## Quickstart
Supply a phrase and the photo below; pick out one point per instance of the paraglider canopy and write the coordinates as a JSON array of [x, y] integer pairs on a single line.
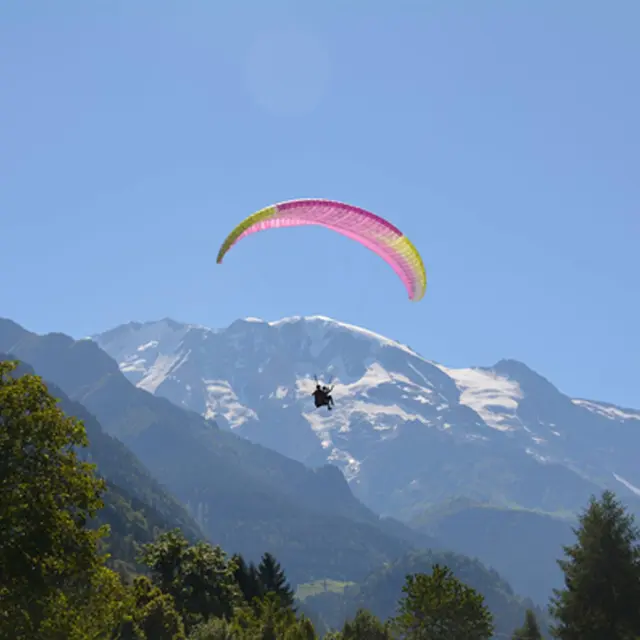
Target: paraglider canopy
[[364, 227]]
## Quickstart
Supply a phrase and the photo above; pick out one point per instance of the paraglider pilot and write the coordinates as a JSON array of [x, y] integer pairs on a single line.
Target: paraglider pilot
[[322, 397]]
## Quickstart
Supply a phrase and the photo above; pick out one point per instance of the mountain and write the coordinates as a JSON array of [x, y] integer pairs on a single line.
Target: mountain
[[407, 432], [522, 546], [136, 507], [380, 592], [245, 497]]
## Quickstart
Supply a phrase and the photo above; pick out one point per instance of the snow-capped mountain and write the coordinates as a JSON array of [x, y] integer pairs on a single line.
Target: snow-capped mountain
[[406, 431]]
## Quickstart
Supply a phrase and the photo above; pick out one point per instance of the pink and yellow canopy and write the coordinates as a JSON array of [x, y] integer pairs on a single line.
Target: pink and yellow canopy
[[362, 226]]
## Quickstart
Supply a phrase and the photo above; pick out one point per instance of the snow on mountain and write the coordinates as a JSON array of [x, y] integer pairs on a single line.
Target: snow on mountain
[[155, 351], [405, 431], [608, 410], [492, 396]]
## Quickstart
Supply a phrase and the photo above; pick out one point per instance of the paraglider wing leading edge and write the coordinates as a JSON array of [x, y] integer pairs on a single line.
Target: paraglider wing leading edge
[[364, 227]]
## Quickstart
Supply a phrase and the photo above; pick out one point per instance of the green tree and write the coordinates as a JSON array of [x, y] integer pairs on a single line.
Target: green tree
[[91, 614], [273, 580], [248, 579], [530, 630], [215, 629], [166, 558], [153, 615], [365, 626], [269, 620], [53, 582], [198, 577], [602, 576], [440, 607]]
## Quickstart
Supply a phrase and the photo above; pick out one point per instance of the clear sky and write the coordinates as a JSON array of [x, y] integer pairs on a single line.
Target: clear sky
[[502, 136]]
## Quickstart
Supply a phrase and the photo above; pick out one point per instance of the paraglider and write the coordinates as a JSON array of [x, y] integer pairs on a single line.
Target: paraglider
[[364, 227]]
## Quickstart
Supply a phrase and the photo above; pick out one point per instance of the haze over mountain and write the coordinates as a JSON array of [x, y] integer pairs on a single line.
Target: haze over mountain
[[245, 497], [406, 432]]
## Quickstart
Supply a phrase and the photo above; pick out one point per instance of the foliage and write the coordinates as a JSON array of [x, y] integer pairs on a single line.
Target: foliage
[[273, 580], [153, 615], [215, 629], [269, 620], [529, 630], [365, 626], [136, 507], [51, 571], [268, 577], [247, 579], [198, 577], [441, 607], [602, 576]]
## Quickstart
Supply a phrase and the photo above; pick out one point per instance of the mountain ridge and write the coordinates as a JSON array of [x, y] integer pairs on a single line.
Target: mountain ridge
[[255, 373]]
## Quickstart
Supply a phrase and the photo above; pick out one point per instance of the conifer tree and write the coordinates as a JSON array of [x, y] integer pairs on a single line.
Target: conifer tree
[[248, 579], [529, 630], [601, 597], [274, 581]]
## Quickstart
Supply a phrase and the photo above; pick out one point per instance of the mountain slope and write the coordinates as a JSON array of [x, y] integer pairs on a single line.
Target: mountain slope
[[522, 546], [136, 506], [406, 432], [380, 592], [245, 497]]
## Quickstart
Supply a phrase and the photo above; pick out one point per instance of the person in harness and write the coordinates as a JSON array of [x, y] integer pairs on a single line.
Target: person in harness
[[322, 396]]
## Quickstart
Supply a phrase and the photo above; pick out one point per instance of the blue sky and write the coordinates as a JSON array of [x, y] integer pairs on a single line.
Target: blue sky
[[501, 136]]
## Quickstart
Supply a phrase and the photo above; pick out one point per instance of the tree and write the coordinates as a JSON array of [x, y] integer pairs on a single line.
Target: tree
[[93, 613], [153, 615], [530, 630], [440, 607], [274, 581], [215, 629], [198, 577], [248, 579], [53, 582], [365, 626], [269, 620], [166, 556], [602, 576]]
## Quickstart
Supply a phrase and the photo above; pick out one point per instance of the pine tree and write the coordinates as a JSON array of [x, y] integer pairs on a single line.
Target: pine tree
[[530, 630], [274, 581], [248, 579], [601, 598]]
